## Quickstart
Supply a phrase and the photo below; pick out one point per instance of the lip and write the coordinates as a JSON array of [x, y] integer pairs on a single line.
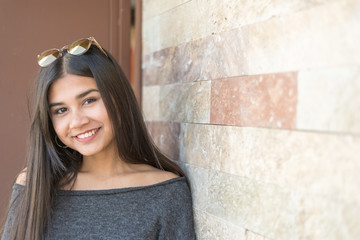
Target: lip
[[87, 139]]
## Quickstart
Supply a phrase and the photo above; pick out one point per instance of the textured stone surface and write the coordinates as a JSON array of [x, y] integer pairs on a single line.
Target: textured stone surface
[[285, 43], [158, 66], [336, 107], [327, 219], [153, 8], [322, 36], [259, 64], [188, 102], [211, 227], [151, 103], [262, 101], [253, 236], [216, 56], [199, 182], [264, 208], [195, 143], [321, 164], [166, 137], [232, 203], [197, 19]]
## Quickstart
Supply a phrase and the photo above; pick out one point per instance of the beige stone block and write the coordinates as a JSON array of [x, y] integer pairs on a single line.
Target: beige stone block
[[329, 99], [317, 37], [253, 236], [151, 103], [227, 151], [321, 164], [156, 7], [195, 142], [210, 227], [199, 182], [174, 27], [188, 102], [312, 162], [197, 19], [327, 219], [264, 208]]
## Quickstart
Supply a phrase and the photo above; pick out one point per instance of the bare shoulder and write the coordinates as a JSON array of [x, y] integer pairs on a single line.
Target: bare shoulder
[[21, 178], [151, 175], [165, 175]]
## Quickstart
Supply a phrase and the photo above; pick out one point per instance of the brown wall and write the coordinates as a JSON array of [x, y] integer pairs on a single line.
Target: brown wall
[[28, 28]]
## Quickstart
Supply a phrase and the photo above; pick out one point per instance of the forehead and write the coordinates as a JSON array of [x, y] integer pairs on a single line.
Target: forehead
[[69, 86]]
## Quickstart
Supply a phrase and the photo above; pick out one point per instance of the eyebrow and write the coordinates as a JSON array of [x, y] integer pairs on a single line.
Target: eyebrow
[[81, 95]]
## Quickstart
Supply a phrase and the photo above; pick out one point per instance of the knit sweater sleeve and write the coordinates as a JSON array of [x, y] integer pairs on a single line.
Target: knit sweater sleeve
[[179, 222], [17, 189]]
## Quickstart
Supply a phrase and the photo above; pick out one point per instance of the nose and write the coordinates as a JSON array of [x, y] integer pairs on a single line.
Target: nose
[[78, 119]]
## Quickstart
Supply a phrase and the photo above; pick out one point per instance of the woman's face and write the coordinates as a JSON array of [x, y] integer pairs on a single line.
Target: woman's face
[[79, 116]]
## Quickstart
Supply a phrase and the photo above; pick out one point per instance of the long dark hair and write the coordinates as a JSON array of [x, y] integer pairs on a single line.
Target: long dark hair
[[50, 166]]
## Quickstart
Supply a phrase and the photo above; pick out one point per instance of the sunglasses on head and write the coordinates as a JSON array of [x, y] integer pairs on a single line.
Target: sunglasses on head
[[78, 47]]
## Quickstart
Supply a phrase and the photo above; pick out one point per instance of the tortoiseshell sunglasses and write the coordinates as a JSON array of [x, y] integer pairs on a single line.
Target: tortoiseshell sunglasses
[[78, 47]]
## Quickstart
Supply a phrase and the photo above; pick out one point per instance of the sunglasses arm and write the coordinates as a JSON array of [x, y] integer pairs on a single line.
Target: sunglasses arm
[[98, 45]]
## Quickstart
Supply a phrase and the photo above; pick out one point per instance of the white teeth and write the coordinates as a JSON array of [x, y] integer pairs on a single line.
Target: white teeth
[[88, 134]]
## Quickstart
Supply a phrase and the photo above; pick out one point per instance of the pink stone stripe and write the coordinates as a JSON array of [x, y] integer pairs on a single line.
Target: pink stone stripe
[[257, 101], [216, 56]]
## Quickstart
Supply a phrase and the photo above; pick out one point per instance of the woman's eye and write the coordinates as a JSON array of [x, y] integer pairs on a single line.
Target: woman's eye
[[60, 111], [89, 100]]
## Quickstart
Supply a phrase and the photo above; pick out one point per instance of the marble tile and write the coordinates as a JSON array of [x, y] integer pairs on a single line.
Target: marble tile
[[181, 22], [266, 209], [329, 99], [157, 67], [320, 164], [275, 183], [216, 56], [198, 19], [151, 103], [283, 184], [199, 181], [210, 227], [166, 137], [257, 101], [327, 219], [153, 8], [321, 36], [195, 142], [188, 102], [253, 236]]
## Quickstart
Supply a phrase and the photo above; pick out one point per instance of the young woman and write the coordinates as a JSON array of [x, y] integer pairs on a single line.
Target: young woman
[[93, 171]]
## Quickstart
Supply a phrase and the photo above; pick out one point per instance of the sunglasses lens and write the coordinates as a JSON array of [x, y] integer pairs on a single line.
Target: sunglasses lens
[[80, 46], [47, 57]]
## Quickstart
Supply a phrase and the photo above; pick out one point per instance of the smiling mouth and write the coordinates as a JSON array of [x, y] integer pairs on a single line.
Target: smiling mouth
[[87, 134]]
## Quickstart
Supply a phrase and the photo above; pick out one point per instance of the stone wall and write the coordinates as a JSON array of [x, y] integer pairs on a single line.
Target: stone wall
[[259, 102]]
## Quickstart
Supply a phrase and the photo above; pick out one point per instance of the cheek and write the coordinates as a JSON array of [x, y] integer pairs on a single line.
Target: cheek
[[59, 127], [102, 115]]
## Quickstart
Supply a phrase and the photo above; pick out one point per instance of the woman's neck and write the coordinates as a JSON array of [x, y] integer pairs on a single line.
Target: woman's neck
[[109, 164]]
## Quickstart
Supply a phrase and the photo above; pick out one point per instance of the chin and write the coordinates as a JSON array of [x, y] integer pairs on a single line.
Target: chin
[[87, 154]]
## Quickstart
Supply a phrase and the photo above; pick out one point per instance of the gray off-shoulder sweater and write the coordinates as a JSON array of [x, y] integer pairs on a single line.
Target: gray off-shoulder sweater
[[159, 211]]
